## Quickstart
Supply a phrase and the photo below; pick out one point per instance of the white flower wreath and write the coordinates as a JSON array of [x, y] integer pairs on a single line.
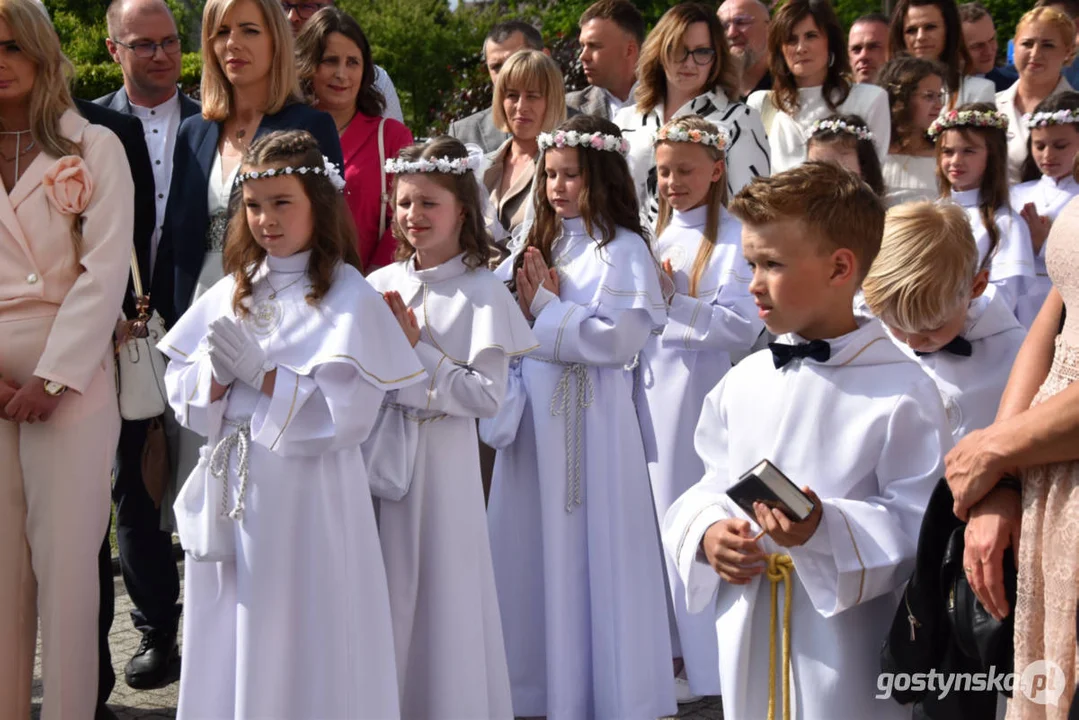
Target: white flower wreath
[[1045, 119], [328, 169], [967, 118], [572, 138], [669, 133], [454, 166], [839, 126]]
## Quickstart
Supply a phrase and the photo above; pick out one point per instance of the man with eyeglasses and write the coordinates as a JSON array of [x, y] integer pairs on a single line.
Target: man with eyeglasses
[[867, 46], [745, 23], [144, 41], [299, 13]]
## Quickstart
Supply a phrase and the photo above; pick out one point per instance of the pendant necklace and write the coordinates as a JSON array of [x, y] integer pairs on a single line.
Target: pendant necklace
[[275, 291], [19, 151], [267, 315]]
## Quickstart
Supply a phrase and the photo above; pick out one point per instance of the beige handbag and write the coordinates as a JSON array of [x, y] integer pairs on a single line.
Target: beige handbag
[[140, 365]]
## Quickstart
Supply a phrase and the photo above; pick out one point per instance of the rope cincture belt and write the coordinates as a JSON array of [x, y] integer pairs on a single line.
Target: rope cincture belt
[[240, 440], [580, 398], [780, 568]]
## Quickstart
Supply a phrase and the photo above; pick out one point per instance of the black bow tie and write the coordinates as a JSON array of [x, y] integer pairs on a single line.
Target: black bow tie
[[782, 353], [958, 346]]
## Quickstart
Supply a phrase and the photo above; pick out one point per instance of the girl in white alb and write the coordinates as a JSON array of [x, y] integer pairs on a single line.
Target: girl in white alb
[[573, 532], [1054, 146], [464, 326], [282, 365], [710, 314], [972, 156]]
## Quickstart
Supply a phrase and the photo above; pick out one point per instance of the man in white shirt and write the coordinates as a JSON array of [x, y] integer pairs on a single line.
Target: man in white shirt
[[300, 12], [868, 46], [746, 24], [612, 32]]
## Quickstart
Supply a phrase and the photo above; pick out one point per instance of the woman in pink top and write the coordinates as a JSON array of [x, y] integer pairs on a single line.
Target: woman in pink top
[[338, 76], [66, 206]]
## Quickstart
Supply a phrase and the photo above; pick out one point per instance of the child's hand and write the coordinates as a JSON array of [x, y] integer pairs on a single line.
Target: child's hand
[[538, 272], [1039, 226], [668, 268], [732, 551], [525, 292], [405, 317], [784, 531]]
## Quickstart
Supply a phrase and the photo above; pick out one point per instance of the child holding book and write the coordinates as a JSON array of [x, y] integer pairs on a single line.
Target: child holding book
[[283, 365], [927, 289], [836, 406]]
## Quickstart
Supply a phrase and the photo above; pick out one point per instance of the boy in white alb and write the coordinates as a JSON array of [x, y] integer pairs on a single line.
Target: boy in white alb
[[927, 289], [835, 405]]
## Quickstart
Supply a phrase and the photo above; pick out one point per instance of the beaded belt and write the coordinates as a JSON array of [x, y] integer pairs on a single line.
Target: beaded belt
[[240, 441], [215, 233], [580, 397], [780, 568], [416, 415]]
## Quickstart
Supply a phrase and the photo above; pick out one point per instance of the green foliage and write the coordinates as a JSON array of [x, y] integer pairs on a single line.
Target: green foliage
[[92, 80]]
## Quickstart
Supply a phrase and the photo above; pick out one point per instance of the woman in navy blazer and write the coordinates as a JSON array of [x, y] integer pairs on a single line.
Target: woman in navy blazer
[[249, 87]]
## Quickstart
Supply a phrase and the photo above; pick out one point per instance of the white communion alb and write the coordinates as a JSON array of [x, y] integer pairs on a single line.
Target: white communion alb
[[866, 431], [297, 623]]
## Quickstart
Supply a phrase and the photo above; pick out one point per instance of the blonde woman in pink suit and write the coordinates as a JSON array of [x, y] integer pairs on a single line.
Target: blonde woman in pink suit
[[65, 239]]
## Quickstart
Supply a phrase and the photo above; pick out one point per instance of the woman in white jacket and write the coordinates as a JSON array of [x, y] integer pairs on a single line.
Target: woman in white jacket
[[810, 81]]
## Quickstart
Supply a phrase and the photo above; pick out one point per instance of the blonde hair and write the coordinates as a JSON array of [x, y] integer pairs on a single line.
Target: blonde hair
[[1055, 19], [50, 96], [284, 79], [524, 70], [716, 200], [661, 44], [926, 266], [837, 208]]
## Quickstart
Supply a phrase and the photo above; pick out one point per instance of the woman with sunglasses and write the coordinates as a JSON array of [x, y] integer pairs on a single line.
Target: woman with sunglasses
[[686, 69], [810, 81]]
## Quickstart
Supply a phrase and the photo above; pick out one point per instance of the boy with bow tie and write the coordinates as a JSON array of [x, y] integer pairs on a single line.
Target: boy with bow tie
[[927, 289], [838, 408]]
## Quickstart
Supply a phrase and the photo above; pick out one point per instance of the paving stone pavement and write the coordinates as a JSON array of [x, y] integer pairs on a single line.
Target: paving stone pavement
[[129, 704]]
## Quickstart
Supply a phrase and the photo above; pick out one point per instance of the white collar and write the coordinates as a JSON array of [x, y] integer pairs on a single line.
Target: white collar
[[160, 110], [694, 218], [987, 316], [1064, 184], [967, 198], [450, 269], [868, 345], [296, 262]]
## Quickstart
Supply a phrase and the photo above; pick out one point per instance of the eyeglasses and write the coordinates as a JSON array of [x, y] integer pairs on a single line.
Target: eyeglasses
[[146, 50], [930, 96], [701, 56], [740, 22], [305, 9]]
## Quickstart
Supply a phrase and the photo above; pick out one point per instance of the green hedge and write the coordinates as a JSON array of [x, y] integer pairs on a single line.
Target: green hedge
[[92, 80]]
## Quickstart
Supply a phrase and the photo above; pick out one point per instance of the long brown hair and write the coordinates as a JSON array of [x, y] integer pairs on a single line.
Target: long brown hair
[[608, 196], [716, 201], [900, 77], [475, 240], [994, 185], [837, 82], [661, 44], [333, 234], [868, 160], [955, 57]]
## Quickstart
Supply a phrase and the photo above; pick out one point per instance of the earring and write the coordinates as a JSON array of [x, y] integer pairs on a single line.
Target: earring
[[831, 59]]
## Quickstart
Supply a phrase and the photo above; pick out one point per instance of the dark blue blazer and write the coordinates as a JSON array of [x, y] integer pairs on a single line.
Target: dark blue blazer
[[144, 186], [187, 215]]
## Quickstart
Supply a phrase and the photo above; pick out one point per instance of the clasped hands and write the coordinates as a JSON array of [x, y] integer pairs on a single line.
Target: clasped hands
[[731, 548], [532, 275], [235, 354], [27, 403]]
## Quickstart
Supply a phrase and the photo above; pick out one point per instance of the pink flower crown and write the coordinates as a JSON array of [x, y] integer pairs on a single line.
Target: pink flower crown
[[952, 119]]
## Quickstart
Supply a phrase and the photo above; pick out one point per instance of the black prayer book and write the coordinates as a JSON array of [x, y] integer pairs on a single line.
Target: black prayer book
[[765, 483]]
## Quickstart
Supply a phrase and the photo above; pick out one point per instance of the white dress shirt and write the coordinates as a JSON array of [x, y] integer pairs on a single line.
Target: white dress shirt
[[160, 125]]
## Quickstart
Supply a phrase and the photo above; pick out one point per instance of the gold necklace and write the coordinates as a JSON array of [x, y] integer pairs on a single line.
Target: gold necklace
[[276, 292]]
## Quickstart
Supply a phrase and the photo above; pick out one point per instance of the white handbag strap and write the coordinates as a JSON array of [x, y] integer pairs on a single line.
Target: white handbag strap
[[384, 198]]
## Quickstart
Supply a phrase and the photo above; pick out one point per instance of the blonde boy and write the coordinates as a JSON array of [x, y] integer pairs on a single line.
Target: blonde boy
[[928, 290], [838, 408]]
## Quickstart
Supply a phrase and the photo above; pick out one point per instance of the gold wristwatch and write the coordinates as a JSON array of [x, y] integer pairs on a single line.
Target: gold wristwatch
[[54, 388]]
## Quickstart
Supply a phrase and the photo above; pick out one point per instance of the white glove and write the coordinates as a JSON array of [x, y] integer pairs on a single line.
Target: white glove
[[222, 374], [238, 351]]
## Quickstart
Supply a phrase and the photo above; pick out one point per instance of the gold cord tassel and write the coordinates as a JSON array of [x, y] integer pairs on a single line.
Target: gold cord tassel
[[779, 570]]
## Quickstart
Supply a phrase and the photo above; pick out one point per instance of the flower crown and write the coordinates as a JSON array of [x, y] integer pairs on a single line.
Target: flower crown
[[328, 169], [967, 118], [572, 138], [1045, 119], [674, 133], [840, 126], [454, 166]]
